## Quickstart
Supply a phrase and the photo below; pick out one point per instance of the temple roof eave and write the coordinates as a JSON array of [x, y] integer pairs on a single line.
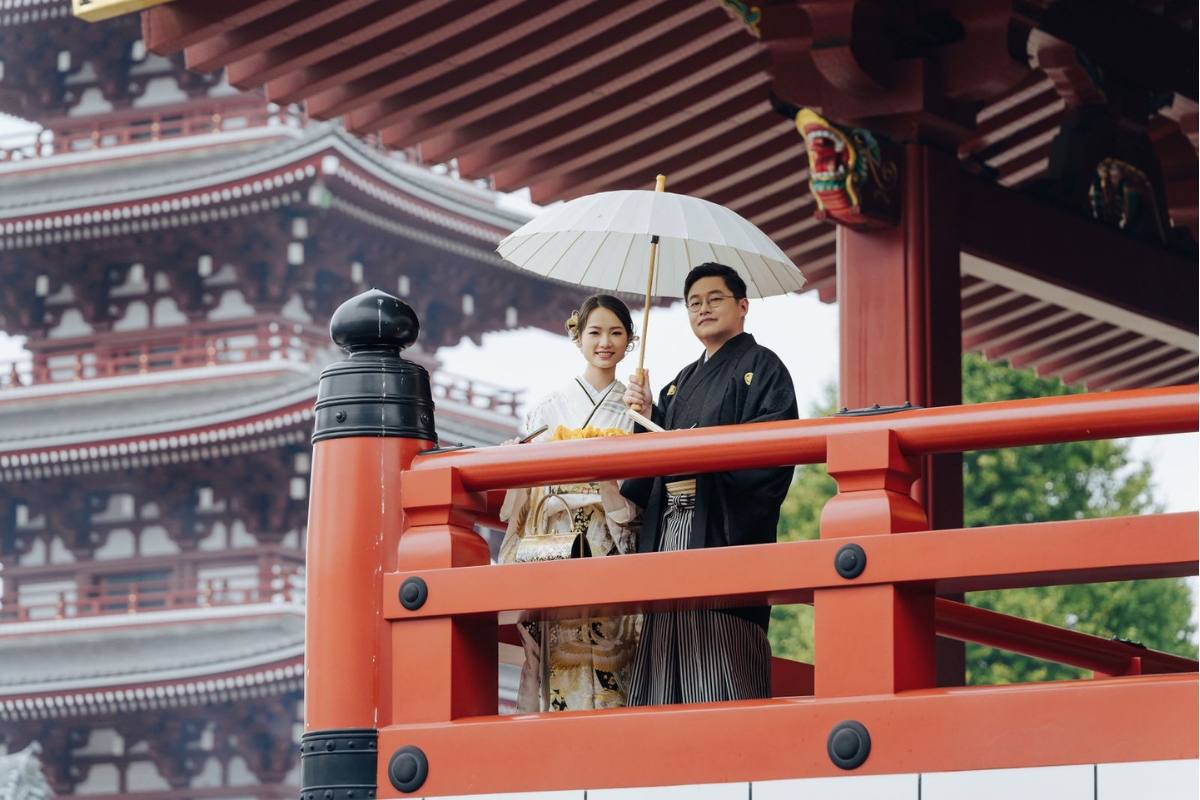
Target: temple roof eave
[[104, 416], [135, 421], [222, 168], [148, 647]]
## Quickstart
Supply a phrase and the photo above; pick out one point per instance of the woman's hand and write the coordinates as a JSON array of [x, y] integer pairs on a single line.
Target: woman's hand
[[510, 441]]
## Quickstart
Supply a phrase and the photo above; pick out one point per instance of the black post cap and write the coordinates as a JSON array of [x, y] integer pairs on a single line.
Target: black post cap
[[374, 392], [374, 320]]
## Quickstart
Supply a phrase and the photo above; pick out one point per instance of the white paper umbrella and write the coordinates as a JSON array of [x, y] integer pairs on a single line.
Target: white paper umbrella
[[641, 241], [603, 241]]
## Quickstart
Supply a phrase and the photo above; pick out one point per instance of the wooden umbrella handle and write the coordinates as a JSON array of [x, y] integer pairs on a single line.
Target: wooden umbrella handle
[[660, 185]]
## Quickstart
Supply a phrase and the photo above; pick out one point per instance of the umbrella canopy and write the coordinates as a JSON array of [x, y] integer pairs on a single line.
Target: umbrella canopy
[[603, 241]]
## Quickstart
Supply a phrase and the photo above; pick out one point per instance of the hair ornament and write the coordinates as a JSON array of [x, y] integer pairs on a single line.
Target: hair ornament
[[573, 326]]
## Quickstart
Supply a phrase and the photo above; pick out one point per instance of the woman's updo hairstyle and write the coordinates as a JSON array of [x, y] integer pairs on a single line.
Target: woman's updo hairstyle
[[578, 320]]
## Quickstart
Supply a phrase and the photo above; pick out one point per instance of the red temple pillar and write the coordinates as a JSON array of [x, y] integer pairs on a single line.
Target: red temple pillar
[[901, 328], [374, 414]]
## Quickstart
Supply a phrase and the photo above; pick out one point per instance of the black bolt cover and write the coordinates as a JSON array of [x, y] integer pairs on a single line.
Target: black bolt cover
[[849, 744], [408, 768], [850, 561], [413, 593]]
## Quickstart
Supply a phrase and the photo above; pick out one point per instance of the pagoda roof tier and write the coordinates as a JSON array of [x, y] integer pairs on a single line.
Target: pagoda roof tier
[[171, 174], [154, 659], [321, 213], [140, 421]]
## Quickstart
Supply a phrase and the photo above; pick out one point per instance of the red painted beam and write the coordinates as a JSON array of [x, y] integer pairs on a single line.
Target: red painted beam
[[282, 26], [1171, 377], [998, 127], [1147, 374], [418, 25], [985, 295], [998, 338], [1016, 139], [654, 129], [1134, 357], [323, 44], [773, 147], [489, 42], [1077, 253], [1024, 725], [1054, 366], [481, 150], [982, 426], [170, 28], [810, 243], [956, 560], [1076, 341], [660, 155], [1062, 646], [607, 66]]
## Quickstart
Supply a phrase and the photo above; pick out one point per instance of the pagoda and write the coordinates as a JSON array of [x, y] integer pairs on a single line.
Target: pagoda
[[173, 249]]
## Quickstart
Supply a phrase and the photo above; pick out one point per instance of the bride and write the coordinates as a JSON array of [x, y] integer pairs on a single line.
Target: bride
[[589, 660]]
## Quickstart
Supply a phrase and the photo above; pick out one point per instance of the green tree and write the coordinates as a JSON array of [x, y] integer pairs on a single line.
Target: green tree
[[790, 631], [1075, 480]]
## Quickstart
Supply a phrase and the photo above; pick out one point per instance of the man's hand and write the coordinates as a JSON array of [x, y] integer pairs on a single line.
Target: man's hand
[[637, 394]]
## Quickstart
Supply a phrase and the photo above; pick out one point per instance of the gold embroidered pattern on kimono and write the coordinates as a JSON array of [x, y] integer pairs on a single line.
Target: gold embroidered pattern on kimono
[[590, 658]]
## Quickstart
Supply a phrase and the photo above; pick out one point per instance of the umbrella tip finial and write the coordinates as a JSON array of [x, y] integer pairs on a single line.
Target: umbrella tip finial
[[660, 183]]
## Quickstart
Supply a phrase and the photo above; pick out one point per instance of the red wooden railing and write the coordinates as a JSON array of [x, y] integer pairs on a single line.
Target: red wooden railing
[[208, 343], [425, 675], [199, 344], [135, 126], [279, 578]]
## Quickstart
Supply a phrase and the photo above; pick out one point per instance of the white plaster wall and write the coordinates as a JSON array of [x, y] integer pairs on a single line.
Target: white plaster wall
[[850, 787], [143, 776], [1153, 780], [156, 542], [120, 544], [101, 779], [1041, 783], [1162, 780]]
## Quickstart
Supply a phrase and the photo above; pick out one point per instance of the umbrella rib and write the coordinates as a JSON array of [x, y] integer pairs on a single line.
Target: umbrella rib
[[624, 262], [587, 266]]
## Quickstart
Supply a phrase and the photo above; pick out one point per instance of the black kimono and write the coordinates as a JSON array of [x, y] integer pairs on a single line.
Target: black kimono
[[741, 383]]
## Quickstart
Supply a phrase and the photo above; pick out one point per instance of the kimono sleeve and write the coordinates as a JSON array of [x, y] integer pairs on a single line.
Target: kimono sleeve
[[769, 396]]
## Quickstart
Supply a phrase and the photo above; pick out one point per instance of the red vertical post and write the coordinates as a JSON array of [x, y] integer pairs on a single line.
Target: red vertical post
[[899, 299], [445, 668], [872, 639], [374, 414]]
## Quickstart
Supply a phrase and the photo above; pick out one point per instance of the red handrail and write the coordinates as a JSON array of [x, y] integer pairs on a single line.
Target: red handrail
[[1014, 423], [412, 651]]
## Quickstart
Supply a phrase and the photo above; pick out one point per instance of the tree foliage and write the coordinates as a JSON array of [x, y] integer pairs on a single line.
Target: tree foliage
[[1075, 480]]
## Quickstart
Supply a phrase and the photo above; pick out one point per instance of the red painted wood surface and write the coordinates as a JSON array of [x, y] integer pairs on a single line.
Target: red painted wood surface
[[1019, 423], [354, 524], [931, 730], [427, 676]]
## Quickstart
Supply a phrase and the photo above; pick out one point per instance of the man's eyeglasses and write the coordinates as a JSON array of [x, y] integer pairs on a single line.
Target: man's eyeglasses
[[713, 301]]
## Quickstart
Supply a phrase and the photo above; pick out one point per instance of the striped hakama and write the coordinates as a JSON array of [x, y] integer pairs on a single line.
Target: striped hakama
[[698, 656]]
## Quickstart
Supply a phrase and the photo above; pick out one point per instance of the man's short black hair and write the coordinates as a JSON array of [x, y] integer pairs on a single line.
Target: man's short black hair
[[711, 269]]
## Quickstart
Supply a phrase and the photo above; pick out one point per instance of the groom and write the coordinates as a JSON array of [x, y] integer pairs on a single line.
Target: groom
[[711, 655]]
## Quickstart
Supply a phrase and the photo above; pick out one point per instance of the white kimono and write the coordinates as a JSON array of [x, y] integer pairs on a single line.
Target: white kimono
[[590, 658]]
